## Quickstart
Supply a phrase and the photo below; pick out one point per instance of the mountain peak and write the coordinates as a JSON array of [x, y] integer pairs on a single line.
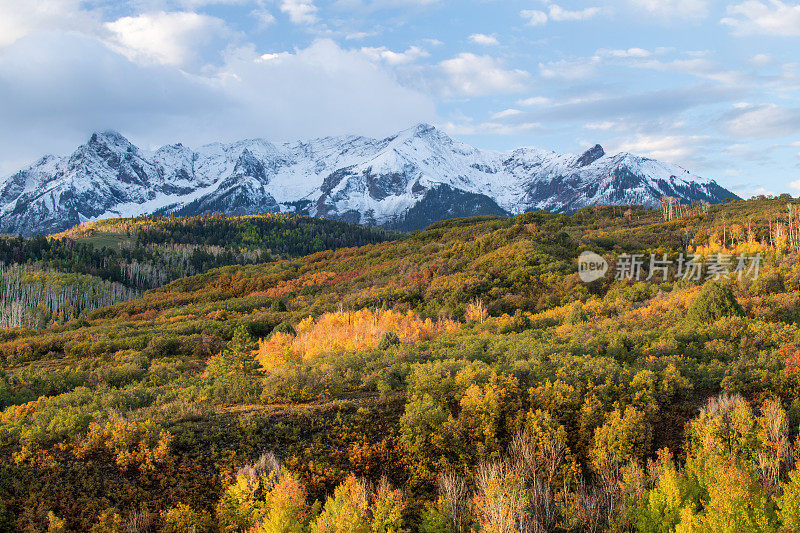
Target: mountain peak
[[418, 176], [422, 129], [591, 155], [109, 137]]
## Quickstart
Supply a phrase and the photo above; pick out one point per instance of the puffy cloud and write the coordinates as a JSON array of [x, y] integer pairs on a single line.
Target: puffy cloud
[[19, 18], [761, 60], [264, 17], [167, 38], [534, 17], [560, 14], [476, 75], [300, 11], [381, 53], [319, 90], [773, 18], [483, 39], [322, 89]]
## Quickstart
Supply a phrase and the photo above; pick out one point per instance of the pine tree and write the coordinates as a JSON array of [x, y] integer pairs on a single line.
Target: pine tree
[[235, 374], [714, 302]]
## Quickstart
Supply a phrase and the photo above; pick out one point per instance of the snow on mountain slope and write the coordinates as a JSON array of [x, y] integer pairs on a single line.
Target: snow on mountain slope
[[405, 181]]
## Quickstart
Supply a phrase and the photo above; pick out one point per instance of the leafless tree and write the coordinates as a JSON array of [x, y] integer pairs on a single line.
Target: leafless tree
[[140, 521], [773, 462], [453, 491], [503, 498], [266, 464], [538, 468]]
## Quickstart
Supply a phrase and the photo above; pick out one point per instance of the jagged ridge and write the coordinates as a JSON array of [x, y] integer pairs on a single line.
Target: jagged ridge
[[405, 181]]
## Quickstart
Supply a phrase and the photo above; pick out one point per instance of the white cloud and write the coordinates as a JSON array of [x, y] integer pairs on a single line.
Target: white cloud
[[672, 9], [625, 53], [534, 17], [673, 148], [506, 113], [319, 90], [696, 66], [763, 121], [300, 11], [534, 101], [661, 108], [601, 126], [264, 17], [761, 60], [795, 185], [322, 89], [772, 18], [395, 58], [491, 128], [560, 14], [557, 13], [476, 75], [376, 5], [748, 191], [567, 69], [196, 4], [483, 39], [358, 35], [166, 38], [19, 18], [695, 63]]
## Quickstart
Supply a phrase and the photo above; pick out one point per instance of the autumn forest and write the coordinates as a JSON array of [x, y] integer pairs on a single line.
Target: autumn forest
[[279, 373]]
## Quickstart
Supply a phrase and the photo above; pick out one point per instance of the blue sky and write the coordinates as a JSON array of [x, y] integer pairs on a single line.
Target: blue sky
[[711, 85]]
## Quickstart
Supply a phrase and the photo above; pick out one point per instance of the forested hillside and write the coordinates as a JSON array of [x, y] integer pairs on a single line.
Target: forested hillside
[[461, 379], [57, 278], [34, 297]]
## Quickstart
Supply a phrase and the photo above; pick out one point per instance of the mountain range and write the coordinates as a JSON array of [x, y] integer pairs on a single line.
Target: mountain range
[[405, 181]]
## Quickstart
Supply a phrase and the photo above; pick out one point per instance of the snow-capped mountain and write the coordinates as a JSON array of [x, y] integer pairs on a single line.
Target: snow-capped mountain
[[405, 181]]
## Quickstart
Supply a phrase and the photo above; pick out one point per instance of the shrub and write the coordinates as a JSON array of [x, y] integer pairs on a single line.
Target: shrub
[[285, 327], [55, 524], [714, 302], [576, 314], [182, 518], [789, 502], [521, 321], [278, 306], [388, 340]]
